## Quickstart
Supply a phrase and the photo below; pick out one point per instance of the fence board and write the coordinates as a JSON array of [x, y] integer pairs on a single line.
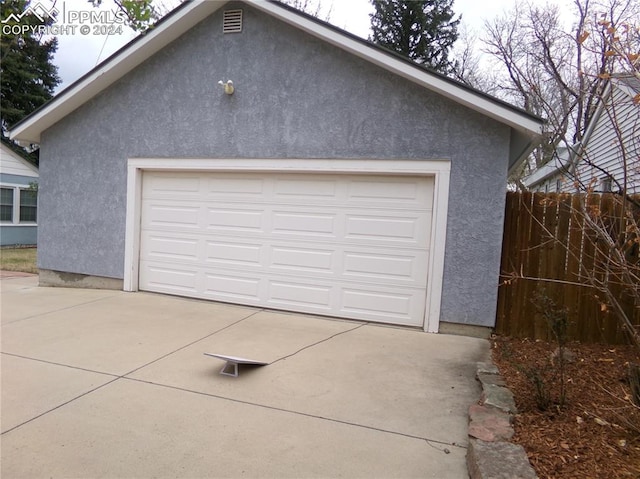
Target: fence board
[[545, 238]]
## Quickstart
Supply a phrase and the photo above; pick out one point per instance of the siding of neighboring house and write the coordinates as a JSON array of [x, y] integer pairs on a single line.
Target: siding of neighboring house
[[603, 164], [621, 116], [556, 183], [550, 178], [17, 202], [552, 184], [296, 97]]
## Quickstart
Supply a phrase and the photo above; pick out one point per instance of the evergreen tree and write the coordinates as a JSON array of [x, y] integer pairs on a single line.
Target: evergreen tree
[[27, 74], [423, 30]]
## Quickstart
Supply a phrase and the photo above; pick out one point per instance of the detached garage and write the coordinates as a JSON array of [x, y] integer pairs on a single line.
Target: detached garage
[[336, 179]]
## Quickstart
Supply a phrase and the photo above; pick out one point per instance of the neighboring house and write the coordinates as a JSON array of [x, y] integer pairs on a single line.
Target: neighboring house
[[338, 179], [611, 141], [554, 176], [18, 199]]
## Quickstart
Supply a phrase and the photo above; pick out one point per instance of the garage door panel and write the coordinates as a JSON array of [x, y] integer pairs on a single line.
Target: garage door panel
[[171, 216], [409, 267], [235, 219], [406, 229], [235, 187], [221, 253], [228, 287], [350, 246], [309, 297], [161, 246], [383, 305], [168, 278], [304, 224], [159, 185], [396, 192], [311, 190], [301, 259]]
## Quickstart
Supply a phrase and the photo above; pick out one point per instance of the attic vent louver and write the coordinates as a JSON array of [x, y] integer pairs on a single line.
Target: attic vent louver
[[232, 21]]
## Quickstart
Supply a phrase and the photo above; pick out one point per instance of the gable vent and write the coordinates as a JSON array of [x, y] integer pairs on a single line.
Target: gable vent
[[232, 21]]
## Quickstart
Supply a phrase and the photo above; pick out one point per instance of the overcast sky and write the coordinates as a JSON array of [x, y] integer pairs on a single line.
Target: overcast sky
[[77, 54]]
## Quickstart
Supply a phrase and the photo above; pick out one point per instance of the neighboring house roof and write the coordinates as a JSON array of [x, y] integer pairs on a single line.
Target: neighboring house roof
[[566, 160], [13, 163], [526, 128], [558, 165]]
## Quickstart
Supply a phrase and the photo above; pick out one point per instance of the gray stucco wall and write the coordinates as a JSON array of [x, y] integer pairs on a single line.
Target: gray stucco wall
[[296, 97]]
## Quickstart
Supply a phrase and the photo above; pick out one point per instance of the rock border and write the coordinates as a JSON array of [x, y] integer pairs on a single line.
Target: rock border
[[490, 454]]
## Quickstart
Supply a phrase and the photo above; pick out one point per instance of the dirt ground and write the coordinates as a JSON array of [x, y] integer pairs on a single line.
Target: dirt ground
[[596, 434]]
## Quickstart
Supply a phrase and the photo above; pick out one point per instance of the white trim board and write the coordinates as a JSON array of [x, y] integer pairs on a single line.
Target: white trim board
[[440, 170]]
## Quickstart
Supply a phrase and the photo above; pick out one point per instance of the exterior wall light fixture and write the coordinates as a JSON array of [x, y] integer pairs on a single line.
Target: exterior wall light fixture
[[228, 86]]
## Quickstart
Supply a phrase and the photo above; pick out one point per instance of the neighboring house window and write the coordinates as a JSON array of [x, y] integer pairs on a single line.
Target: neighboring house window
[[559, 185], [28, 206], [18, 205], [606, 184], [6, 204]]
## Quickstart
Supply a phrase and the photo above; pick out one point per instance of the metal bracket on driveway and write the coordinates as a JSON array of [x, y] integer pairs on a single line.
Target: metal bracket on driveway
[[231, 367]]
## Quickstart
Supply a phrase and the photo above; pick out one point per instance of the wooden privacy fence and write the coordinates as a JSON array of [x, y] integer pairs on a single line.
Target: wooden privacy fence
[[545, 237]]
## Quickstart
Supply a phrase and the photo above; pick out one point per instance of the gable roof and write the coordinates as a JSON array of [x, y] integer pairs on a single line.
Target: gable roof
[[526, 128], [559, 164]]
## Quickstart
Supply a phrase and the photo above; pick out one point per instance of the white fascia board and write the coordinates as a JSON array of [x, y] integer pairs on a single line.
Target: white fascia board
[[128, 58], [432, 82]]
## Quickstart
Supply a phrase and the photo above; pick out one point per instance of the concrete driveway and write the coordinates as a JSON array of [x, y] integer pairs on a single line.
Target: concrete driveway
[[100, 383]]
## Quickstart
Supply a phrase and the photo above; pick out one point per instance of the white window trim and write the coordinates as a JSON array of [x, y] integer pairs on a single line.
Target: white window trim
[[439, 169], [16, 206]]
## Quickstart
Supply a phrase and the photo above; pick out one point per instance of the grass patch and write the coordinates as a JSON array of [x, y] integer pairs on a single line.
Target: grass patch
[[19, 259]]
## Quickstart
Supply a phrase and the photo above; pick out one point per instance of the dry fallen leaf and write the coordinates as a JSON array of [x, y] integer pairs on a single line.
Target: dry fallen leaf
[[601, 422]]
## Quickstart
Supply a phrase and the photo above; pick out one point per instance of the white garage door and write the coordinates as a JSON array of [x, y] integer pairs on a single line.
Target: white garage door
[[339, 245]]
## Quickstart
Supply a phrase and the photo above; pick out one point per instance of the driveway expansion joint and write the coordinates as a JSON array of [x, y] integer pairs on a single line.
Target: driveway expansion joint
[[191, 343], [429, 441], [53, 363], [58, 406], [52, 311]]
